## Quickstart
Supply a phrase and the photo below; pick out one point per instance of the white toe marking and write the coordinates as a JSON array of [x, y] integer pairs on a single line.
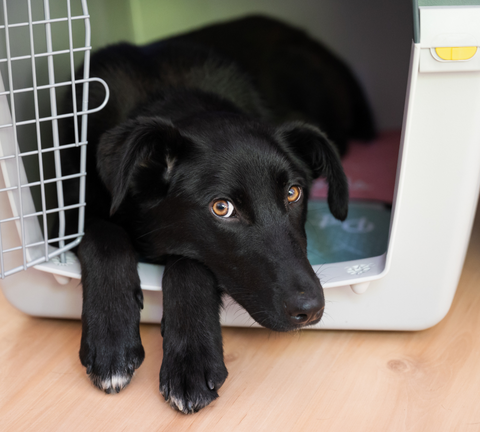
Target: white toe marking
[[177, 402], [115, 381]]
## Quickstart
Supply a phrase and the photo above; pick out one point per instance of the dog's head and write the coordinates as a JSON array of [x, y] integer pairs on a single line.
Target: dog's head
[[231, 193]]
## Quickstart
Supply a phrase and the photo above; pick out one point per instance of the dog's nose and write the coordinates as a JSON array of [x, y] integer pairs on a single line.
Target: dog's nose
[[302, 310]]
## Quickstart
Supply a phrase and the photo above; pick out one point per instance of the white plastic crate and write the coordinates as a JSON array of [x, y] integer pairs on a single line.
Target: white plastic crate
[[410, 287]]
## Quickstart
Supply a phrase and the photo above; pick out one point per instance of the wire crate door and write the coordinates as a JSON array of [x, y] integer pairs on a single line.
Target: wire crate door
[[41, 47]]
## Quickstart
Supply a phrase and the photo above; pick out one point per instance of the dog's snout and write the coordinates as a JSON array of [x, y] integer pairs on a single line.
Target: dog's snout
[[303, 310]]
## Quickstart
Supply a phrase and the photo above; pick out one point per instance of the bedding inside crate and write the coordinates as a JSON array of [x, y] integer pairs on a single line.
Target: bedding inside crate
[[371, 170]]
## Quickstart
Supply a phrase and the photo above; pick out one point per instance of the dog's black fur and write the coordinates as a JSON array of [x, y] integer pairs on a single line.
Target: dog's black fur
[[191, 120]]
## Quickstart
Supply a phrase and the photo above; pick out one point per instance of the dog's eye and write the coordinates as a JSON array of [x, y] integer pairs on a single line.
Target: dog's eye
[[294, 194], [223, 208]]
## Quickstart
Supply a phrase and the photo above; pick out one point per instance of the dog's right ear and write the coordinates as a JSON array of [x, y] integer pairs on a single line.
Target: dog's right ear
[[138, 157]]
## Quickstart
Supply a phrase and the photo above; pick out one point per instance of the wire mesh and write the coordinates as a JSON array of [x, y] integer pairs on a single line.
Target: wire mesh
[[41, 48]]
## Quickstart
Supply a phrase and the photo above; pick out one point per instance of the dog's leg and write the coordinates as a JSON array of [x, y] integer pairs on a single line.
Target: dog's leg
[[192, 368], [111, 348]]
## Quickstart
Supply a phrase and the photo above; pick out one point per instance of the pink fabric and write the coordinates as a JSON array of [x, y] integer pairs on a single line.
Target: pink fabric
[[370, 168]]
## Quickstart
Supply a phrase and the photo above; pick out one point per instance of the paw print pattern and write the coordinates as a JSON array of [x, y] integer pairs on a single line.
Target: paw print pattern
[[358, 269]]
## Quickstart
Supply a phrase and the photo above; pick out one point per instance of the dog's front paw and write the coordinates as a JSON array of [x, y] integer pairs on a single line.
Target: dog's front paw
[[111, 362], [189, 381]]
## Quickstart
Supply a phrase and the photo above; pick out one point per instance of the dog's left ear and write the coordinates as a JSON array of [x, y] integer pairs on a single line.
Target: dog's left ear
[[137, 158], [312, 146]]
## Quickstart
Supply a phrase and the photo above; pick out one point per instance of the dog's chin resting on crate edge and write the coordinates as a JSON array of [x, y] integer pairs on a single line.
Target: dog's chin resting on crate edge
[[190, 165]]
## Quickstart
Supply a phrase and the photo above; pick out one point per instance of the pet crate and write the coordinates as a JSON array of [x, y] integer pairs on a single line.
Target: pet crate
[[407, 284]]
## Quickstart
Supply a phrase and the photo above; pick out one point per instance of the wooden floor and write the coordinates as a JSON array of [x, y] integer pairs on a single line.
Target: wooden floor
[[313, 381]]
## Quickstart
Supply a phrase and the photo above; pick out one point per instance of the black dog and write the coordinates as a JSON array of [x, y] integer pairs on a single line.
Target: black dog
[[187, 166]]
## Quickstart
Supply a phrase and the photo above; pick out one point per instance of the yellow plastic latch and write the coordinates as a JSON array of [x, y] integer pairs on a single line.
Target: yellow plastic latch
[[463, 53], [456, 53], [444, 53]]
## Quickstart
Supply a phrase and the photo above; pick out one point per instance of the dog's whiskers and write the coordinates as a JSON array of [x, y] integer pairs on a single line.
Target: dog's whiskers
[[149, 232], [163, 226]]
